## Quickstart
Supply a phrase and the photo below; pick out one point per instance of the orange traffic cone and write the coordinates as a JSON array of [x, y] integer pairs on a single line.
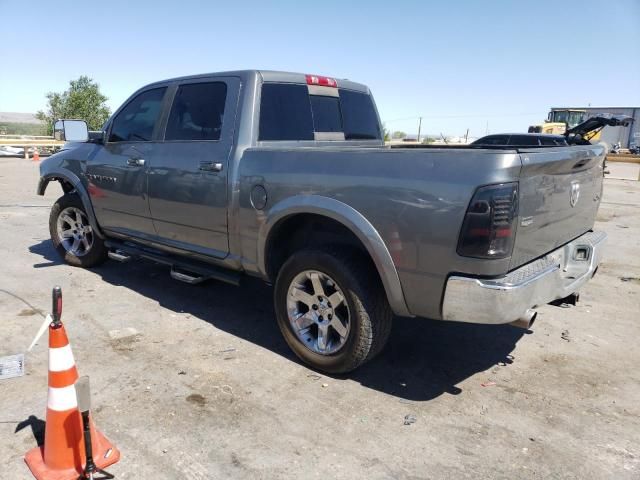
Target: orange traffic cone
[[36, 155], [63, 456]]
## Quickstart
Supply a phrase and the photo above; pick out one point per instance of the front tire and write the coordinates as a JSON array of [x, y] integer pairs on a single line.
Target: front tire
[[72, 234], [332, 309]]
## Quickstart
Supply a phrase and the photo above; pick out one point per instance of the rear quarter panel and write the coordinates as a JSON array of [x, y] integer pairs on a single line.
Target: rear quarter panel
[[415, 199]]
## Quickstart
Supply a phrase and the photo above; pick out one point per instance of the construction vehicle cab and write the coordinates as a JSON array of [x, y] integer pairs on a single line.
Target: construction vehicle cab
[[558, 121]]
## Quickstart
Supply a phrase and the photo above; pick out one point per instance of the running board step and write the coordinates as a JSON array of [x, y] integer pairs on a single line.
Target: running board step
[[119, 256], [187, 277], [182, 269]]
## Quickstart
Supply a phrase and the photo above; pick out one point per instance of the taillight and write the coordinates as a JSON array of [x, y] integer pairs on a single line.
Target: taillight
[[488, 230], [321, 81]]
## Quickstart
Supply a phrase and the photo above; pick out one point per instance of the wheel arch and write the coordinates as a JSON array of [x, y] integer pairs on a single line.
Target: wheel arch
[[331, 210], [71, 183]]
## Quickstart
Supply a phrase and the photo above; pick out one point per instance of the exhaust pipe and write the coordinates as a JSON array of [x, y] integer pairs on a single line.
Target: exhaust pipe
[[526, 320]]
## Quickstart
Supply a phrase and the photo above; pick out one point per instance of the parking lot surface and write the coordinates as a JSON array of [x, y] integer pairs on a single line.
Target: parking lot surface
[[205, 386]]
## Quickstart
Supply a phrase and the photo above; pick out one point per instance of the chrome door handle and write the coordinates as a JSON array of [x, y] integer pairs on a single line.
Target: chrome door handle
[[211, 167], [135, 162]]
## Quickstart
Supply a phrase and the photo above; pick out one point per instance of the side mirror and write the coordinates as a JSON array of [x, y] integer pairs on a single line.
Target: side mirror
[[71, 131]]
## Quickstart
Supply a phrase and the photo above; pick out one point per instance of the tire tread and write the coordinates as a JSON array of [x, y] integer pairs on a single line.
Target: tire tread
[[98, 253], [367, 296]]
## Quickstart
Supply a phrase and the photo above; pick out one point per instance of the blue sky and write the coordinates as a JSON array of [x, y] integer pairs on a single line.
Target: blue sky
[[460, 64]]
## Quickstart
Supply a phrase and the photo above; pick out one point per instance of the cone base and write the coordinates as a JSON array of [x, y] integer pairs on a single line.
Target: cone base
[[34, 459]]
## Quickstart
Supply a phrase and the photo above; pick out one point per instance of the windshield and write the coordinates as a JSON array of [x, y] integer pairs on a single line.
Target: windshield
[[575, 118], [562, 116], [572, 118]]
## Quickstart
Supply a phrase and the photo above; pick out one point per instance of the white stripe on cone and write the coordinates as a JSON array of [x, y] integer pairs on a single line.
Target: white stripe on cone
[[61, 399], [61, 359]]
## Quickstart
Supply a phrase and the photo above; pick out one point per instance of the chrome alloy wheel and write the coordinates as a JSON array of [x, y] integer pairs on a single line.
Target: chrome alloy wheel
[[318, 312], [74, 231]]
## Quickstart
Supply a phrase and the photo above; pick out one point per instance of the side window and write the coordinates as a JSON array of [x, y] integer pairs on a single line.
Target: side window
[[285, 112], [326, 113], [137, 119], [197, 112]]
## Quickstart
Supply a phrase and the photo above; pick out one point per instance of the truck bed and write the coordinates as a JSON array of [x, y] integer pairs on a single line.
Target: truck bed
[[417, 199]]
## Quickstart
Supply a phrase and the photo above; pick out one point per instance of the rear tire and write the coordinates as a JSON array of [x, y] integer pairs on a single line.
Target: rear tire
[[72, 235], [364, 314]]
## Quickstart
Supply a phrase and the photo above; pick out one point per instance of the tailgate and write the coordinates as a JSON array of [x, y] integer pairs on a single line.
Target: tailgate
[[560, 192]]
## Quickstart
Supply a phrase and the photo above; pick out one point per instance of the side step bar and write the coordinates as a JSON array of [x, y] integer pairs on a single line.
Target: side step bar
[[187, 277], [183, 270], [119, 256]]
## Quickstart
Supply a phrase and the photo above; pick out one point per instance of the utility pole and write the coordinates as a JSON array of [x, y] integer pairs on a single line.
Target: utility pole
[[419, 128]]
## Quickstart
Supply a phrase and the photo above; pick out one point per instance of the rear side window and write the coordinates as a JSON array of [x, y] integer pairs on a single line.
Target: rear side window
[[524, 140], [285, 112], [136, 121], [553, 141], [197, 112], [289, 112], [493, 140], [359, 116]]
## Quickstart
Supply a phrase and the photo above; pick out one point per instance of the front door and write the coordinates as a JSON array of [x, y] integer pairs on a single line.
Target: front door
[[117, 174], [187, 180]]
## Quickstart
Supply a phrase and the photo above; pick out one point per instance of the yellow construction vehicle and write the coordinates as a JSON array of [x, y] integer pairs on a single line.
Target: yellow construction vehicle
[[558, 121]]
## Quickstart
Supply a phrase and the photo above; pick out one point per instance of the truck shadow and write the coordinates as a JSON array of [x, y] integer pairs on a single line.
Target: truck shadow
[[426, 358], [423, 359]]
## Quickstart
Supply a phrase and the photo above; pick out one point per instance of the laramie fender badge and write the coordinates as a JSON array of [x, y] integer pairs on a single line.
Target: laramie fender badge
[[101, 178]]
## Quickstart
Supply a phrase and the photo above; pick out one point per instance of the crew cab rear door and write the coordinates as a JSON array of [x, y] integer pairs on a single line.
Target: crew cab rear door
[[187, 180]]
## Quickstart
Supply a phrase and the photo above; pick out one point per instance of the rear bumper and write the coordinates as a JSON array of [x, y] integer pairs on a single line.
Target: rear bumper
[[506, 299]]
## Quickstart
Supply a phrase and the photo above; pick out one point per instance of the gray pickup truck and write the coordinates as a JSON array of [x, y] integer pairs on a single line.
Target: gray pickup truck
[[285, 176]]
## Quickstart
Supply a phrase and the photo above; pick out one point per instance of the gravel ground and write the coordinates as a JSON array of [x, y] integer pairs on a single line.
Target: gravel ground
[[208, 389]]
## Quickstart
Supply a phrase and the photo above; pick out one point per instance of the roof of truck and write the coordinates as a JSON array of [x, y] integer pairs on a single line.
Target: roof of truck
[[269, 76]]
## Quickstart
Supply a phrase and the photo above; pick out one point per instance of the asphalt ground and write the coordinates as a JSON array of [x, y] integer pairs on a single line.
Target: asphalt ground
[[207, 388]]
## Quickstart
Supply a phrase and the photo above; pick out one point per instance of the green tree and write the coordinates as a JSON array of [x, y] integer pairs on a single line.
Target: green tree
[[399, 135], [82, 100]]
